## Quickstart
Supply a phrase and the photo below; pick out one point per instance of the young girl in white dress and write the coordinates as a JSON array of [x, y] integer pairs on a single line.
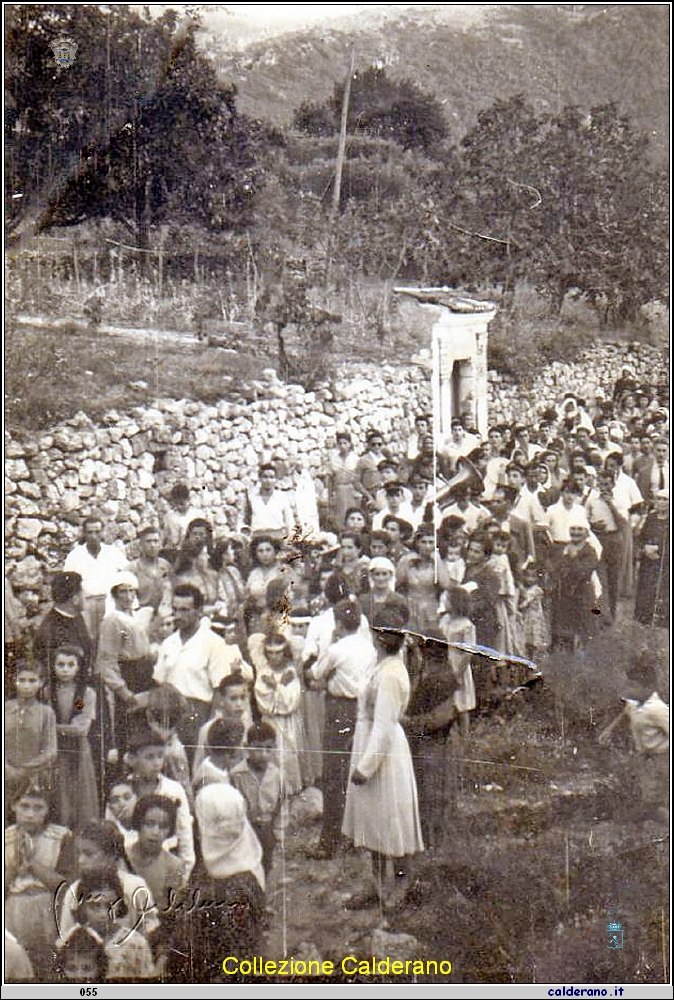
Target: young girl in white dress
[[278, 692]]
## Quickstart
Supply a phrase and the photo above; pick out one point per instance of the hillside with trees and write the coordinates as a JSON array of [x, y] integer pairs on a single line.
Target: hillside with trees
[[555, 54], [141, 174]]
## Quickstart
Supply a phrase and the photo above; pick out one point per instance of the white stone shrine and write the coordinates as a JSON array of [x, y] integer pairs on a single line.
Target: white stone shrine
[[458, 330]]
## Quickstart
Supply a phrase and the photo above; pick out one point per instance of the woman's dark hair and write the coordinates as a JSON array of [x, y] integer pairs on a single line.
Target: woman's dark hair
[[347, 614], [80, 685], [218, 554], [179, 492], [356, 510], [388, 625], [81, 941], [355, 538], [425, 530], [257, 541], [336, 588], [380, 536], [146, 802], [64, 586], [35, 788], [261, 734], [483, 540], [166, 706], [225, 734], [93, 883], [265, 467], [251, 616], [460, 603], [106, 836], [276, 595]]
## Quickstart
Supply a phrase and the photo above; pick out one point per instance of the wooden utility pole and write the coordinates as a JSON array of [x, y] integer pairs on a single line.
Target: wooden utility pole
[[341, 149]]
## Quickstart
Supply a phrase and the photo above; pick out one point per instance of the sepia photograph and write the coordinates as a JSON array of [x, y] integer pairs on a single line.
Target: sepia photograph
[[337, 497]]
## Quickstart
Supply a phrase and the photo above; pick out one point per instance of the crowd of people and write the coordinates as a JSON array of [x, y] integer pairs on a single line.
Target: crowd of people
[[179, 693]]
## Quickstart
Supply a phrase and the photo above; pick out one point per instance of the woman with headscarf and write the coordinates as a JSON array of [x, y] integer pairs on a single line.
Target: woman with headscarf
[[381, 596], [228, 918], [574, 598]]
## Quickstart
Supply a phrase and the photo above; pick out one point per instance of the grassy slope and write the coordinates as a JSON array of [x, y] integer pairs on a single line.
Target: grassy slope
[[51, 374]]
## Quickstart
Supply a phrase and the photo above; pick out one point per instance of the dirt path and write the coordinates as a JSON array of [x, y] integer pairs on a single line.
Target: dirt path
[[134, 333]]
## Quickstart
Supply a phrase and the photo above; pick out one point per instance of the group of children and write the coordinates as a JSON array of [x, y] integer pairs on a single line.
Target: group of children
[[85, 894]]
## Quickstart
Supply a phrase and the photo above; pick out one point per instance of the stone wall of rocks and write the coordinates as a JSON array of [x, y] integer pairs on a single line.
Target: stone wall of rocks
[[598, 368], [124, 467]]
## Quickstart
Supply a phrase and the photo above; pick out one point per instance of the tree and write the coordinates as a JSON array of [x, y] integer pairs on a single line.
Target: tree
[[137, 129], [570, 200], [379, 107]]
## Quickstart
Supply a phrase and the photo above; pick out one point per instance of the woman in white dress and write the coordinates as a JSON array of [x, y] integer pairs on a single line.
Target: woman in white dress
[[382, 811]]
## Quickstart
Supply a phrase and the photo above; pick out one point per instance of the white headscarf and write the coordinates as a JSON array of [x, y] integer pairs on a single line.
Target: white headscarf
[[382, 563], [228, 842]]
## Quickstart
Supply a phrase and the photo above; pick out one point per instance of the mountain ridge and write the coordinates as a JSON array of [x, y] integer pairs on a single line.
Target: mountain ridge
[[554, 54]]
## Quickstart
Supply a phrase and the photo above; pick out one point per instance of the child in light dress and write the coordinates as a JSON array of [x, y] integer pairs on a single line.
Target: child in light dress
[[278, 692], [102, 909], [509, 640], [533, 621], [39, 856]]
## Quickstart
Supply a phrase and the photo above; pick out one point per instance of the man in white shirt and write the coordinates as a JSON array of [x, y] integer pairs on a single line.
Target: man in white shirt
[[630, 505], [98, 564], [463, 506], [495, 471], [422, 427], [569, 510], [527, 506], [603, 443], [607, 523], [268, 510], [458, 445], [343, 668], [559, 516], [193, 660]]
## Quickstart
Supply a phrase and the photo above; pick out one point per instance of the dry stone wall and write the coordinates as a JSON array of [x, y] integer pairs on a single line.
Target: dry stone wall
[[123, 467], [598, 368]]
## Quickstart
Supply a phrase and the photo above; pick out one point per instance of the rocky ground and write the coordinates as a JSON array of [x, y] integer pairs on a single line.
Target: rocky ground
[[547, 845]]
